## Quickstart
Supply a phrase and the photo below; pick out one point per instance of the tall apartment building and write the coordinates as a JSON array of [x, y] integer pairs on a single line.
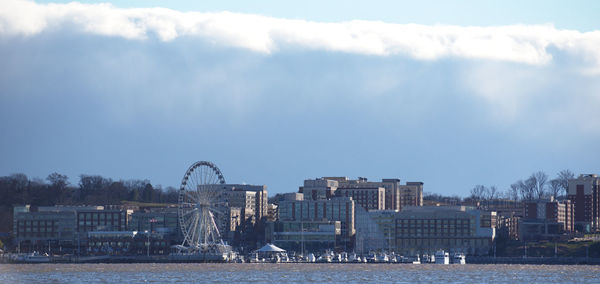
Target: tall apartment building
[[395, 196], [245, 201], [320, 188], [411, 194], [253, 199], [229, 221], [244, 210], [584, 193], [369, 197], [295, 208], [546, 219]]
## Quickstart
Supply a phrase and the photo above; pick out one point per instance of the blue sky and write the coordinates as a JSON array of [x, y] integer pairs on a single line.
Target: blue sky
[[577, 14], [478, 92]]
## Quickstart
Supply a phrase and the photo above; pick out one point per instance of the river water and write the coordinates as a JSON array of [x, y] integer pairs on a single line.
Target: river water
[[296, 273]]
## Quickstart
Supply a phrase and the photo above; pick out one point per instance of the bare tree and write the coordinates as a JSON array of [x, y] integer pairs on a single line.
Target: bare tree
[[564, 176], [492, 192], [513, 192], [527, 188], [555, 187], [477, 192], [58, 180], [540, 178]]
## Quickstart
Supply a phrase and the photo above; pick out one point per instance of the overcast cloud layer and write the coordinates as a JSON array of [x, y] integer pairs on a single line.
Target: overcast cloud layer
[[142, 93], [517, 43]]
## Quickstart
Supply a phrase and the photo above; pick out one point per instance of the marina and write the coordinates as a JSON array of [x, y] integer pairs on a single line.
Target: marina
[[458, 259]]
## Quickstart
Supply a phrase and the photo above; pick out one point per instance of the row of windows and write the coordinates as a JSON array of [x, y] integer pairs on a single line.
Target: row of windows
[[38, 234], [299, 237], [94, 222], [434, 233], [124, 244], [40, 229], [100, 215], [36, 223], [441, 242], [419, 222], [433, 225]]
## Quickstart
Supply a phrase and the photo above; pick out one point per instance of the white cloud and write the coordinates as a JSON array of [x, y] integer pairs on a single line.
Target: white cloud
[[516, 43]]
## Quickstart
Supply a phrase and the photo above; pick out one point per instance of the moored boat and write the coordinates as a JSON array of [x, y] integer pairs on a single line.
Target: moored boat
[[459, 258], [33, 257], [442, 257]]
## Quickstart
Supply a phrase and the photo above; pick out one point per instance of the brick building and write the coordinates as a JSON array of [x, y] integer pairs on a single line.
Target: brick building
[[369, 197], [584, 193], [395, 196], [546, 219]]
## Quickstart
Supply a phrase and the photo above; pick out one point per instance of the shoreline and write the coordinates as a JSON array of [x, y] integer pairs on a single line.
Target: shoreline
[[7, 259]]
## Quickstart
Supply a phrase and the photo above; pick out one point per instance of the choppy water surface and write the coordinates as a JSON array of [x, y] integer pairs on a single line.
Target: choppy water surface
[[295, 273]]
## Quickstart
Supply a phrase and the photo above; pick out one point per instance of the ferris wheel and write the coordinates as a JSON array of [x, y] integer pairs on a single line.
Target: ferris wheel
[[199, 204]]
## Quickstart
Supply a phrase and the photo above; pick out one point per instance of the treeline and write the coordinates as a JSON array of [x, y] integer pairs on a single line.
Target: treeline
[[536, 186], [56, 189]]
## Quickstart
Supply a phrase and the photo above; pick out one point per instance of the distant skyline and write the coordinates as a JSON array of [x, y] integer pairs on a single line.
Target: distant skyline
[[275, 93]]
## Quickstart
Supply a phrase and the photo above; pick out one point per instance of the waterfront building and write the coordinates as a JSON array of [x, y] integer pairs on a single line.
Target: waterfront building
[[157, 220], [111, 242], [46, 230], [295, 208], [546, 219], [426, 229], [375, 230], [128, 243], [584, 193], [99, 219], [304, 236], [64, 228]]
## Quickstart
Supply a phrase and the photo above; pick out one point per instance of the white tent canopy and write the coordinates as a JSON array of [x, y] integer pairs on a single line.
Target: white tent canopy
[[270, 248]]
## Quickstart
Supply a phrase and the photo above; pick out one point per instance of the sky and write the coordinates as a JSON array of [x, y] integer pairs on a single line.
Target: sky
[[272, 92]]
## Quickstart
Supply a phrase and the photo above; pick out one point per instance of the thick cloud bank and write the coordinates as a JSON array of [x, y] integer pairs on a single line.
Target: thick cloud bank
[[526, 44]]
